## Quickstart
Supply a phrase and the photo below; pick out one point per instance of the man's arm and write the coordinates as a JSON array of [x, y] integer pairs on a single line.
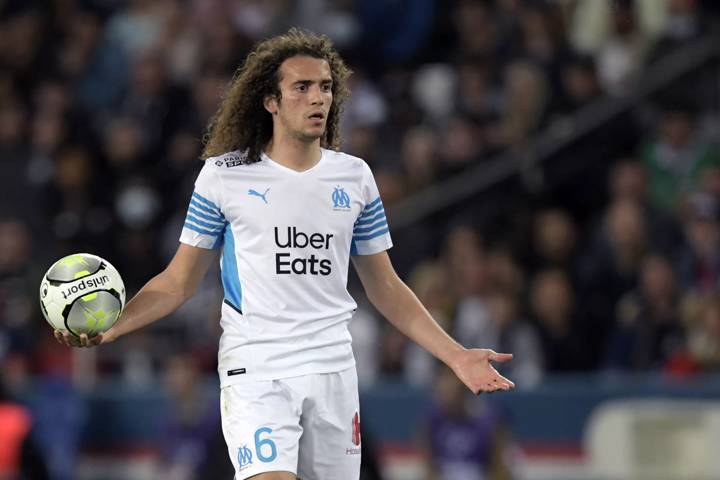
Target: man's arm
[[402, 308], [161, 296]]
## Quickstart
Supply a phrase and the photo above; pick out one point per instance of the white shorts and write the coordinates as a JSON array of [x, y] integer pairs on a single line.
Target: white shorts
[[308, 425]]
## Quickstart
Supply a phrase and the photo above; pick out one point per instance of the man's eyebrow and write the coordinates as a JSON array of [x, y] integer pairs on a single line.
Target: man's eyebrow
[[307, 82]]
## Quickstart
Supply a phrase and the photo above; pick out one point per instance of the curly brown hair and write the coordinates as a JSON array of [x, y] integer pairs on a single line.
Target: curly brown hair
[[242, 123]]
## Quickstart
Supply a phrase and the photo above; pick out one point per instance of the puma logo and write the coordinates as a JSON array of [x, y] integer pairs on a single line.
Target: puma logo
[[252, 192]]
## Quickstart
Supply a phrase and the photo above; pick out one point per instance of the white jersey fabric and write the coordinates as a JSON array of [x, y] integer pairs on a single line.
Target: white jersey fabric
[[286, 239]]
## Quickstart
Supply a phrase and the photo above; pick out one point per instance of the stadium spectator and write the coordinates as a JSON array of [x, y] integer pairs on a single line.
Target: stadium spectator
[[19, 457], [476, 31], [226, 41], [463, 440], [699, 259], [430, 282], [14, 124], [564, 341], [510, 331], [609, 269], [92, 63], [627, 180], [191, 424], [464, 256], [60, 411], [504, 272], [624, 51], [618, 34], [419, 157], [649, 330], [554, 242], [18, 322], [685, 23], [526, 100], [395, 32], [704, 335], [478, 95], [676, 158], [542, 39], [579, 85], [459, 145]]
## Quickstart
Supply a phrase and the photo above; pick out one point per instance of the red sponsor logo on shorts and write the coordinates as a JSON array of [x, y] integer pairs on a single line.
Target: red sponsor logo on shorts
[[356, 429]]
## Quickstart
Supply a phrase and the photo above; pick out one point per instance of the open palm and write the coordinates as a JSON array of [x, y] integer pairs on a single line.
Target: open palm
[[473, 367], [70, 340]]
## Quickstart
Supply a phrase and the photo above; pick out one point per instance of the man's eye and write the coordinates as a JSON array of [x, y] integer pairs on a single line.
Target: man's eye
[[302, 88], [327, 87]]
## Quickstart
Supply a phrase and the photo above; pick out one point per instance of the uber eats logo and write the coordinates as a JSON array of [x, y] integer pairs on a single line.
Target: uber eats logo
[[286, 263]]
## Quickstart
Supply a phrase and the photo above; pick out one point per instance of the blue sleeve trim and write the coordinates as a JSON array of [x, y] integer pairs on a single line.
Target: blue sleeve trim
[[209, 226], [365, 238], [192, 227]]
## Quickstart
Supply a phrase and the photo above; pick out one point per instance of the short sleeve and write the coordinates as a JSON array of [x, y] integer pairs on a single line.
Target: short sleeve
[[371, 232], [205, 222]]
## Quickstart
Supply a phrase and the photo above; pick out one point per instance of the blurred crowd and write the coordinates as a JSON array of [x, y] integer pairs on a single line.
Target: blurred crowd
[[103, 106]]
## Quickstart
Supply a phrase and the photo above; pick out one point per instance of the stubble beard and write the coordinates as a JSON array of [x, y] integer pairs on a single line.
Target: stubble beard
[[303, 135]]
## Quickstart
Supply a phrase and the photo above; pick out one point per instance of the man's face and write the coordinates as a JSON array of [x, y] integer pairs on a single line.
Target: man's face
[[306, 97]]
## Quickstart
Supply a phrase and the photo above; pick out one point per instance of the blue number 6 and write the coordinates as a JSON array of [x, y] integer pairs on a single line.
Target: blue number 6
[[259, 444]]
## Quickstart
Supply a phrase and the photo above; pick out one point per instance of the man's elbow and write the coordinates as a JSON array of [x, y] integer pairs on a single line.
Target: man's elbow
[[182, 289]]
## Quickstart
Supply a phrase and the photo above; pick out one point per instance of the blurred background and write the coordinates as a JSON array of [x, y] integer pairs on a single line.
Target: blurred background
[[551, 173]]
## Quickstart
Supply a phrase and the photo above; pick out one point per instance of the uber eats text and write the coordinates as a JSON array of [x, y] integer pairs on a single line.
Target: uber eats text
[[286, 263]]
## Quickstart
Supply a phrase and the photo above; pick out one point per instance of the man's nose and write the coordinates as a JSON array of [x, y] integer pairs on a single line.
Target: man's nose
[[316, 95]]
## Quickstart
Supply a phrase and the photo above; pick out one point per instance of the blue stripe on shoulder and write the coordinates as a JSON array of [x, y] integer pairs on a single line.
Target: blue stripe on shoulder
[[369, 213], [375, 226], [371, 204], [204, 216], [369, 220], [206, 209], [205, 201]]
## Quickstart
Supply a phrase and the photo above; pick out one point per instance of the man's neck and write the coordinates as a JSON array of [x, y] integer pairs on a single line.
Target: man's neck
[[294, 154]]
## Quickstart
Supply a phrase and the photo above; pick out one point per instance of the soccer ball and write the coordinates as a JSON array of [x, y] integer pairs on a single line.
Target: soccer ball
[[82, 293]]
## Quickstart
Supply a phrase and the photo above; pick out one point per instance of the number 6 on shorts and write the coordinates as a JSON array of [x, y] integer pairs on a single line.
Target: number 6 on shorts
[[259, 443]]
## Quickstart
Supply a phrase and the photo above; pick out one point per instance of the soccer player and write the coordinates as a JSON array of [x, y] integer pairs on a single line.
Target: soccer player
[[288, 211]]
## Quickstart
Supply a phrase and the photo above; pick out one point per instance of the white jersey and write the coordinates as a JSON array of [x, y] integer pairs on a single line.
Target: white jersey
[[286, 240]]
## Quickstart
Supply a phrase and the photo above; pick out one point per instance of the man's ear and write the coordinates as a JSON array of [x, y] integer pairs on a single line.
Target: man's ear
[[271, 104]]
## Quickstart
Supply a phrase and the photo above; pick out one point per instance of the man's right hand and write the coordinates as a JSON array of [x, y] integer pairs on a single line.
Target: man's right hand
[[66, 338]]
